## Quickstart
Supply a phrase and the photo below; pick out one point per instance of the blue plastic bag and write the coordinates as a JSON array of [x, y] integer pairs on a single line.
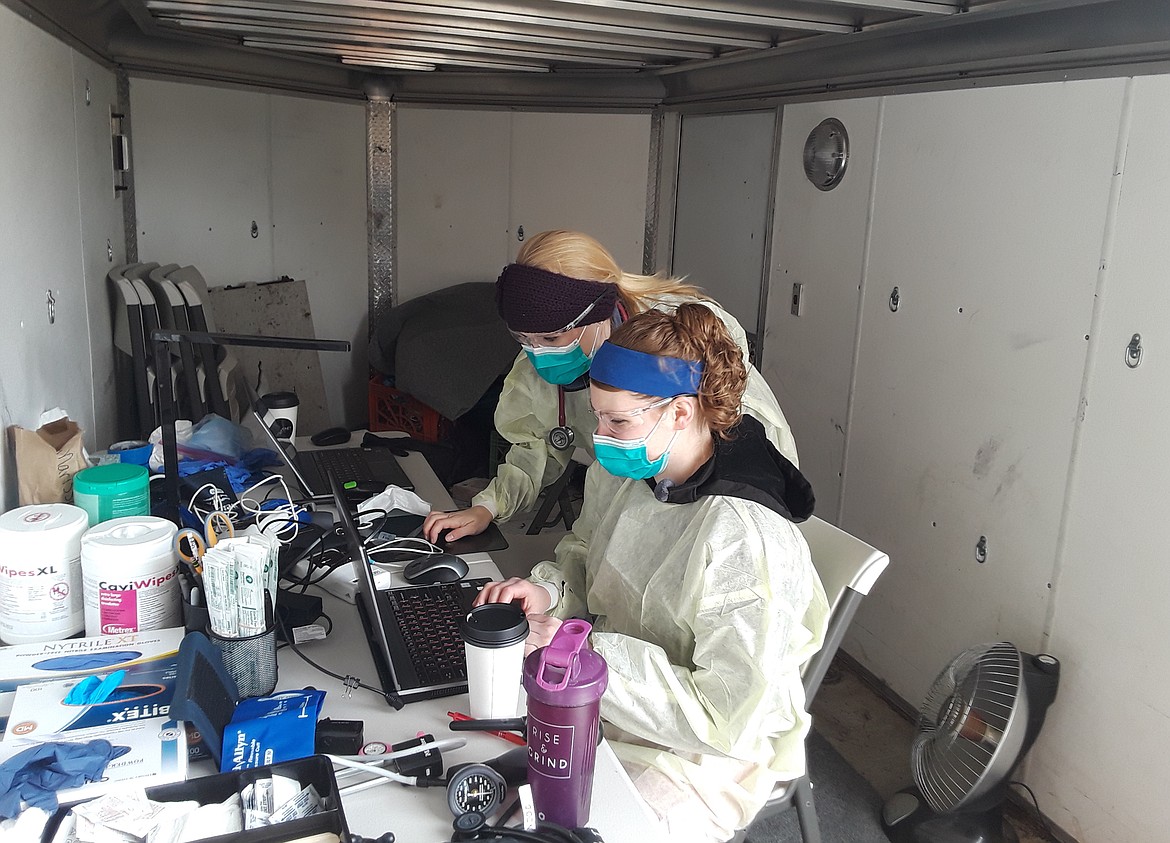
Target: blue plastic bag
[[214, 437]]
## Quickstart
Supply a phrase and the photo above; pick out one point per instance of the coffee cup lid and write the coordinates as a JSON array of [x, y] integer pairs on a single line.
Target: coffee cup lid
[[280, 400], [494, 625]]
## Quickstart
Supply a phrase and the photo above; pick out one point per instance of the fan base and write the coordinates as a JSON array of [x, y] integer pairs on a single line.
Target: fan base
[[907, 818]]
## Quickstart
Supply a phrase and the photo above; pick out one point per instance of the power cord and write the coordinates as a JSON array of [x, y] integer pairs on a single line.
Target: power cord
[[1039, 816], [348, 680]]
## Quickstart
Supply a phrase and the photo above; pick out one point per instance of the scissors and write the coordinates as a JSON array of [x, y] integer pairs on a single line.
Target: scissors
[[191, 544]]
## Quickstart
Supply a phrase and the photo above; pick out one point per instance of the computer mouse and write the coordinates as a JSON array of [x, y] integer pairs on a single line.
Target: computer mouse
[[438, 567], [330, 436]]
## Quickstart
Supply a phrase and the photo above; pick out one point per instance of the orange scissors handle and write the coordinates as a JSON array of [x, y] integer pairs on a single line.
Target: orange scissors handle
[[218, 526], [190, 546]]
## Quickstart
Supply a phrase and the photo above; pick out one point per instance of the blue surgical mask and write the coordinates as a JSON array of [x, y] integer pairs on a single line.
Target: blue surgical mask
[[559, 366], [563, 365], [629, 457]]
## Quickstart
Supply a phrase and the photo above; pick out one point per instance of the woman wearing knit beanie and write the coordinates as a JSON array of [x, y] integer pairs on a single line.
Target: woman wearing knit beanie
[[561, 299]]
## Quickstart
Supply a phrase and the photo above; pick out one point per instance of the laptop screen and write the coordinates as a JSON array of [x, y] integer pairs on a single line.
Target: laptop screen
[[366, 589], [286, 451], [284, 448]]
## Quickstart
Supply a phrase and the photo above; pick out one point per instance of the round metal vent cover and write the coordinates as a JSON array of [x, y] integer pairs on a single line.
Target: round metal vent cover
[[826, 152]]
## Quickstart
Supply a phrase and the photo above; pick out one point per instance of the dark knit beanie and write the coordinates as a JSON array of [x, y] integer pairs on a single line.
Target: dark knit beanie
[[535, 301]]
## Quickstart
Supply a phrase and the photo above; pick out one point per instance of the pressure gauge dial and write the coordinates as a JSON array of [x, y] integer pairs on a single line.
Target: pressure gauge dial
[[475, 787]]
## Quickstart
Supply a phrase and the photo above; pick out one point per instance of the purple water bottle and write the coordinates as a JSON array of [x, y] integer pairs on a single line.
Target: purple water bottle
[[564, 681]]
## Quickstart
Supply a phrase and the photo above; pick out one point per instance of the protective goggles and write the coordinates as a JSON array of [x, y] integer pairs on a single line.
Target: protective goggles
[[552, 339], [618, 419]]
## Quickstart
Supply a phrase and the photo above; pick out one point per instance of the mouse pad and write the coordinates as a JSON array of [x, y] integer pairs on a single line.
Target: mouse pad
[[409, 526]]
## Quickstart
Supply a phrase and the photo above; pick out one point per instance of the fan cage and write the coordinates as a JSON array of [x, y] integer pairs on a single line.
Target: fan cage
[[969, 729]]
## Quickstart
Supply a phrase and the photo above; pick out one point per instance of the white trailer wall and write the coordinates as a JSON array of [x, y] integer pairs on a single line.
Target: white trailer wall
[[468, 183], [57, 213], [995, 402], [209, 162], [1039, 210]]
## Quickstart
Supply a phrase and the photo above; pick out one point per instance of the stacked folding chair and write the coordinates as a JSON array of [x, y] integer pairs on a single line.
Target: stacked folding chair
[[146, 297]]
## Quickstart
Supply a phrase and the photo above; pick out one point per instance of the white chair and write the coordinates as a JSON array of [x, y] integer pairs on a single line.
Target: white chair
[[848, 568]]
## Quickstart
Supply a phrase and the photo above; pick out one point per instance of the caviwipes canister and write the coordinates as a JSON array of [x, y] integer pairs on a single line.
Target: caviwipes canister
[[131, 576], [40, 573]]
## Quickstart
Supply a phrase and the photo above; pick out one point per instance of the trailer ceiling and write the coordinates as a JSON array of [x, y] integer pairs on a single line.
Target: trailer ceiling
[[608, 53]]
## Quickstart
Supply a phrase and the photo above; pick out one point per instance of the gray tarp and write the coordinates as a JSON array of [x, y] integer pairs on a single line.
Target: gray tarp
[[445, 348]]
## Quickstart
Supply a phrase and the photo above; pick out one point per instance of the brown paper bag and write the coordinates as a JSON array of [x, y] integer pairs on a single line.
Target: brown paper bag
[[46, 460]]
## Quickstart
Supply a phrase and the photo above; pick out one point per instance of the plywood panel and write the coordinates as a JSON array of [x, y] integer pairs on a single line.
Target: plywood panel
[[989, 217], [276, 309], [819, 242], [585, 172], [451, 181], [1101, 762], [721, 221], [319, 234], [201, 159]]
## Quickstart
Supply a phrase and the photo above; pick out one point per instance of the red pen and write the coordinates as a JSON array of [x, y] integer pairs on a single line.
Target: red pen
[[508, 736]]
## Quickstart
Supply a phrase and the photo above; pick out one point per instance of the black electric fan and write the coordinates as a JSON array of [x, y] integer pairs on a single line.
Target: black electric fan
[[979, 719]]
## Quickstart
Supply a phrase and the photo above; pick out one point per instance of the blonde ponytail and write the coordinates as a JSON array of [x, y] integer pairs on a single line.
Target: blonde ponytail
[[578, 255]]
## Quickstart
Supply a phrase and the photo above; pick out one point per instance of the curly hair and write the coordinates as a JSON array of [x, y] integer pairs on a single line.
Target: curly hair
[[693, 332], [578, 255]]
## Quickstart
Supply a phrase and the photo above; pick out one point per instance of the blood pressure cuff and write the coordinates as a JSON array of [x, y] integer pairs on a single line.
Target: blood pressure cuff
[[268, 730]]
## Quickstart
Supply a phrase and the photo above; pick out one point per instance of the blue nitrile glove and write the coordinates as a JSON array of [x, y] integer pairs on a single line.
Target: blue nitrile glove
[[92, 690], [37, 773], [258, 458], [237, 475]]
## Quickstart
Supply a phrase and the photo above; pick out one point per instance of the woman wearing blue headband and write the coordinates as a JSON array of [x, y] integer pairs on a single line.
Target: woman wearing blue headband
[[561, 299], [687, 560]]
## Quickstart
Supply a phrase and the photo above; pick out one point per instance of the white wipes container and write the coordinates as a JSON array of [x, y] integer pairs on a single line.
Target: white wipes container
[[40, 573], [131, 576]]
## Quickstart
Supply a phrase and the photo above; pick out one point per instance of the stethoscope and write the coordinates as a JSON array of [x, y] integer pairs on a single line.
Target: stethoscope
[[561, 437]]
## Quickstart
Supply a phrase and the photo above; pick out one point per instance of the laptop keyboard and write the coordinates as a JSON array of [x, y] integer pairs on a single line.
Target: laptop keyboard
[[347, 463], [428, 618]]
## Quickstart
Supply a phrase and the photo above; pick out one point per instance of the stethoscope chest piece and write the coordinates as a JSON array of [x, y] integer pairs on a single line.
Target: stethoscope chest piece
[[561, 437], [467, 826]]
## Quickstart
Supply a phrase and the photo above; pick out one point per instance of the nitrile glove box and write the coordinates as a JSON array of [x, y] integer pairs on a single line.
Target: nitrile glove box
[[155, 743], [145, 656]]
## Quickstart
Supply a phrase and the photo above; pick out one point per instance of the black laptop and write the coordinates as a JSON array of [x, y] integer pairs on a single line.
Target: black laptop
[[365, 466], [413, 631]]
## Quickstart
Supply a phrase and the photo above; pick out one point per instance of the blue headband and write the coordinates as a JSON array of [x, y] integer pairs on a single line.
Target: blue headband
[[646, 374]]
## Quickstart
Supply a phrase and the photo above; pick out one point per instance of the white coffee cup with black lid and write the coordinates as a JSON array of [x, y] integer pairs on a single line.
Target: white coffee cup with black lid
[[493, 639], [281, 417]]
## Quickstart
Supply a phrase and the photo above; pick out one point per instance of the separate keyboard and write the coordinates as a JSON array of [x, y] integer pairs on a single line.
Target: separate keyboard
[[428, 617]]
